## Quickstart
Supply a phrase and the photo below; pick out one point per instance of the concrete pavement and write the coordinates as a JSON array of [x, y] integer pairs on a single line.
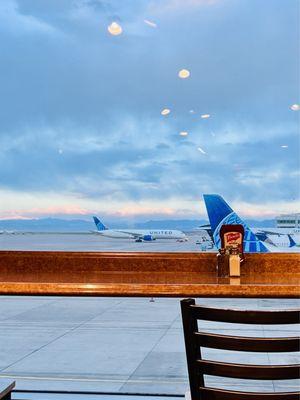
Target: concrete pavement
[[119, 344]]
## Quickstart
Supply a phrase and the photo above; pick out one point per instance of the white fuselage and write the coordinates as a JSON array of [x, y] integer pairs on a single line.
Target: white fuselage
[[279, 236], [279, 241], [140, 233], [281, 231]]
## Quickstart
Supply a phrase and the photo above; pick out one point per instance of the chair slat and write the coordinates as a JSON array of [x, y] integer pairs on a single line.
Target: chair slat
[[245, 371], [246, 316], [220, 394], [239, 343], [6, 389]]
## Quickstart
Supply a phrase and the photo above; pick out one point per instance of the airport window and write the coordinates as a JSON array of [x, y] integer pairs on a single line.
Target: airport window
[[119, 116], [132, 133]]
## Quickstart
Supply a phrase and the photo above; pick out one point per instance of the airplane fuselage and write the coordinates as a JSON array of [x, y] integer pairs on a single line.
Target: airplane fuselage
[[141, 233], [279, 236]]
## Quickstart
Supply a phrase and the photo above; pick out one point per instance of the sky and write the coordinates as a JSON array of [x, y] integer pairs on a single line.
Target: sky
[[81, 130]]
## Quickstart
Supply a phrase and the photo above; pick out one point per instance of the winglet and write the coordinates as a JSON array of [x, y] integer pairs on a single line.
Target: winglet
[[292, 241]]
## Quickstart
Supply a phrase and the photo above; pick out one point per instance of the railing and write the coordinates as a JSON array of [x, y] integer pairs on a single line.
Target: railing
[[145, 274]]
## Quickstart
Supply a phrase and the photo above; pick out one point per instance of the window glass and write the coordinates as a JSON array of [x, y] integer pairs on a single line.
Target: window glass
[[131, 111]]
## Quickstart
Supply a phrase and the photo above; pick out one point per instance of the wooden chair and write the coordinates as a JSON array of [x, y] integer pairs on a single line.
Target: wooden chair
[[5, 389], [197, 367]]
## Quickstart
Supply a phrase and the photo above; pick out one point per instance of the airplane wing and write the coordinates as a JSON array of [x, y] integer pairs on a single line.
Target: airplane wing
[[134, 235], [130, 234], [267, 232]]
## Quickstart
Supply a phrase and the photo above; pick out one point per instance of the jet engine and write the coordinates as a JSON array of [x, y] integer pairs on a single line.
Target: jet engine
[[148, 238]]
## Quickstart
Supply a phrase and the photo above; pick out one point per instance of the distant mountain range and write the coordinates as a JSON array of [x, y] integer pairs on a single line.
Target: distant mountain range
[[77, 225]]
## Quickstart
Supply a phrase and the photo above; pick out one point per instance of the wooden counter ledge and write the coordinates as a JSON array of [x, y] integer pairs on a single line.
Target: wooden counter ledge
[[145, 274]]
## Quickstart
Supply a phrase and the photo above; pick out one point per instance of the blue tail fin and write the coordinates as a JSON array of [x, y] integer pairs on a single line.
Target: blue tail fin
[[292, 241], [219, 213], [99, 225]]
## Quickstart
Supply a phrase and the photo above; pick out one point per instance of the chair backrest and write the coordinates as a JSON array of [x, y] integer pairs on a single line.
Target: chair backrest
[[6, 388], [197, 367]]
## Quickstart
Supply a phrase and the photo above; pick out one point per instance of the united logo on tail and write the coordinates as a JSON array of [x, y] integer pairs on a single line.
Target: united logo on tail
[[220, 213]]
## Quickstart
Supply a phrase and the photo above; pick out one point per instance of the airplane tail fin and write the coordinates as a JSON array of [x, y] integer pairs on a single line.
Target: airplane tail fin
[[99, 225], [220, 213], [292, 241]]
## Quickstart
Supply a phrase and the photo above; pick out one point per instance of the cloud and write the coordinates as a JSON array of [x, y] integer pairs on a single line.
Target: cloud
[[80, 110], [168, 6], [16, 23]]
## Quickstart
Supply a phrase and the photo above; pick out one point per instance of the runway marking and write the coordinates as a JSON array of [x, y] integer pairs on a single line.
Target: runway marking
[[39, 378]]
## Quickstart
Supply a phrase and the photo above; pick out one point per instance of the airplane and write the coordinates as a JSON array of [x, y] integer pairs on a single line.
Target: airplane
[[273, 237], [276, 239], [255, 241], [8, 232], [281, 237], [140, 235]]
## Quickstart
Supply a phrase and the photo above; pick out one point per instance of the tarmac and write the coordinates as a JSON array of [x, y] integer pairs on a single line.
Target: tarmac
[[93, 242], [120, 346]]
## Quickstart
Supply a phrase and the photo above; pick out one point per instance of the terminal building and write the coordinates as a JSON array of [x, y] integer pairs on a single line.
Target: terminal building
[[288, 221]]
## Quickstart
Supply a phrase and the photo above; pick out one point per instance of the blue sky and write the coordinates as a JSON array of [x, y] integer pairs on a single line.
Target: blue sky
[[81, 127]]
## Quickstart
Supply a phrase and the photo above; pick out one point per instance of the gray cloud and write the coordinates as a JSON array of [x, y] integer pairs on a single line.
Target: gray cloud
[[80, 110]]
